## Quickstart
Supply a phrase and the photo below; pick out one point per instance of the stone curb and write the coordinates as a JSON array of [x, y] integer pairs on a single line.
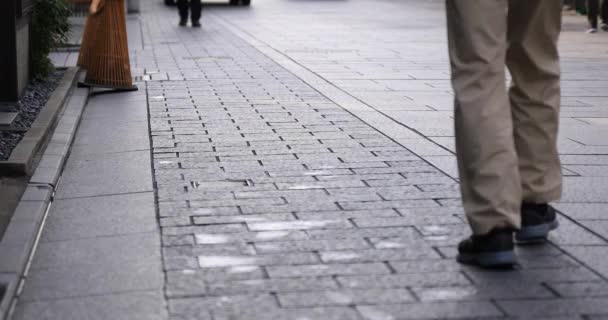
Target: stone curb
[[18, 244], [22, 159]]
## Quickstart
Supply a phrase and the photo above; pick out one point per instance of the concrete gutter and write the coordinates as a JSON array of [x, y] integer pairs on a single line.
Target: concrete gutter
[[19, 242], [22, 160]]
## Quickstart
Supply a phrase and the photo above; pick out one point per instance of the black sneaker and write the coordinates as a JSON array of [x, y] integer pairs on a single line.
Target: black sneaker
[[493, 250], [196, 24], [183, 22], [537, 220]]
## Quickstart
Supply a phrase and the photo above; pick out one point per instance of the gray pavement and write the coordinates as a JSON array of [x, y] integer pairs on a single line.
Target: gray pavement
[[302, 165], [99, 254]]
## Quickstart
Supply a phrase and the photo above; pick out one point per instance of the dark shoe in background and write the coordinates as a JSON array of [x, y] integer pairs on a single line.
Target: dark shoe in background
[[537, 220], [493, 250], [196, 24], [183, 22]]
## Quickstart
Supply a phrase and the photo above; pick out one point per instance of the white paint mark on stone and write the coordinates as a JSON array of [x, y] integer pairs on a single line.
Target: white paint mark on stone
[[339, 255], [442, 294], [247, 219], [317, 173], [435, 230], [304, 187], [210, 238], [225, 261], [372, 313], [205, 211], [270, 235], [292, 225], [243, 269], [389, 245]]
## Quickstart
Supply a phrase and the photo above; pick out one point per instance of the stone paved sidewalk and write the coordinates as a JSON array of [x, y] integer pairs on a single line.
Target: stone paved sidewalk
[[303, 169], [276, 202]]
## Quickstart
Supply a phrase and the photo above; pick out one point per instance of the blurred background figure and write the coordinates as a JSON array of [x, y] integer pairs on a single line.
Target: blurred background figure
[[195, 7], [595, 9], [569, 5]]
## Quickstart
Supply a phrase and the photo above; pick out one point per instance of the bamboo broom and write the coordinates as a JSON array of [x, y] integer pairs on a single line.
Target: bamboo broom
[[104, 51]]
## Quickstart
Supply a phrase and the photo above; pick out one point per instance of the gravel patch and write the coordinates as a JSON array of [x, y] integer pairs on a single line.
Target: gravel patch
[[34, 98]]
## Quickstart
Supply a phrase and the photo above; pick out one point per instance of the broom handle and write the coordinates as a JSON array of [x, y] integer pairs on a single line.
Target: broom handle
[[96, 6]]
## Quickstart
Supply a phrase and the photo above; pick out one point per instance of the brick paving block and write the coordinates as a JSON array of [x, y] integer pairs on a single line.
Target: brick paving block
[[289, 207], [483, 292], [326, 270], [222, 261], [246, 237], [178, 240], [232, 249], [555, 307], [542, 262], [311, 245], [530, 276], [580, 289], [571, 233], [344, 297], [179, 263], [220, 228], [168, 209], [405, 232], [398, 242], [298, 225], [437, 310], [435, 279], [419, 203], [272, 285], [592, 256], [206, 220], [236, 202], [324, 215], [329, 313], [371, 255], [410, 220], [174, 221]]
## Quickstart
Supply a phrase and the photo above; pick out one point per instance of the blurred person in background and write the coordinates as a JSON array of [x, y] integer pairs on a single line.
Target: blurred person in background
[[195, 8], [595, 9]]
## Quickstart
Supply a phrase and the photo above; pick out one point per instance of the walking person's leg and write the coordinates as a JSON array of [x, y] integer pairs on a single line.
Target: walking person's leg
[[592, 13], [533, 60], [182, 7], [487, 161], [604, 15], [195, 13]]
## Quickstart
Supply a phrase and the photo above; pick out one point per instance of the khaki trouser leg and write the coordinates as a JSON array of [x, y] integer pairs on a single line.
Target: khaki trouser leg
[[533, 61], [487, 147]]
